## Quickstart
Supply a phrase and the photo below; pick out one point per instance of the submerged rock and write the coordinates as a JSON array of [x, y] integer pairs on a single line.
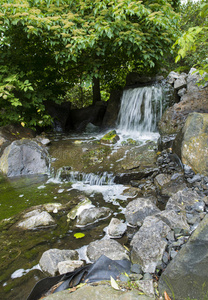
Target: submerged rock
[[36, 219], [92, 215], [51, 258], [107, 247], [74, 212], [24, 157]]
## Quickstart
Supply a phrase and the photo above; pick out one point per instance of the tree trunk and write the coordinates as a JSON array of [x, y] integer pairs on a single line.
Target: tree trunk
[[96, 90]]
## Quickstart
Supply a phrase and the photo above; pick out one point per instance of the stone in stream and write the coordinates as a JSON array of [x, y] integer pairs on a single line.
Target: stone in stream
[[24, 157], [36, 219], [69, 266], [138, 209], [149, 243], [92, 215], [74, 212], [116, 228], [107, 247], [51, 258], [187, 274]]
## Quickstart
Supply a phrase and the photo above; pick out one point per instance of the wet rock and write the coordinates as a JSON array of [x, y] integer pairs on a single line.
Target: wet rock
[[138, 209], [50, 259], [191, 144], [24, 157], [173, 219], [84, 204], [92, 215], [69, 266], [101, 291], [107, 247], [180, 82], [110, 138], [149, 244], [116, 228], [35, 220], [161, 180], [187, 273], [53, 207]]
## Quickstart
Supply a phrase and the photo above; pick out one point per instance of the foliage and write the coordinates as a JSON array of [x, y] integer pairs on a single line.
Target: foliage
[[192, 45], [54, 44]]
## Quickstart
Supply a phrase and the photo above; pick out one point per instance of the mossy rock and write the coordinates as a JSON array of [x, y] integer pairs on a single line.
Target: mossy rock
[[110, 138]]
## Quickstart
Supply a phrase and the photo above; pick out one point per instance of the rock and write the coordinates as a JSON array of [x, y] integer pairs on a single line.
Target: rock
[[35, 220], [101, 291], [180, 83], [107, 247], [138, 209], [191, 144], [161, 180], [110, 138], [24, 157], [53, 207], [187, 274], [92, 215], [50, 259], [116, 228], [74, 212], [175, 117], [69, 266], [173, 220], [182, 92], [149, 244], [183, 201], [147, 287]]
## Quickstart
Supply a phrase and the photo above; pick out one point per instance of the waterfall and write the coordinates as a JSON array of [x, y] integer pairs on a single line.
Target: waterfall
[[140, 110]]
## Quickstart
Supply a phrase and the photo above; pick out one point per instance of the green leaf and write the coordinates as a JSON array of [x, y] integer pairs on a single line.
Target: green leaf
[[79, 235]]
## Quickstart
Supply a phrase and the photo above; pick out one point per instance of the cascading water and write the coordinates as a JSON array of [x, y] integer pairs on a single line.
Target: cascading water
[[140, 110]]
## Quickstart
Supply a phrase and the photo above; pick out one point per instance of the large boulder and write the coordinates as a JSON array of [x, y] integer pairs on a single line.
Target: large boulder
[[24, 157], [187, 274], [191, 143]]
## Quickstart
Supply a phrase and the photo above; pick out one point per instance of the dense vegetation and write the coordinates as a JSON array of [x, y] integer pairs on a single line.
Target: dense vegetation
[[58, 50]]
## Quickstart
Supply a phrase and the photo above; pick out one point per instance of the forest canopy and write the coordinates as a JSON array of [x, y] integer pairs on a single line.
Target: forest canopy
[[47, 47]]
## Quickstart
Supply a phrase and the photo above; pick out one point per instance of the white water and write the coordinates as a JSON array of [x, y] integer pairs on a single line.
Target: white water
[[140, 110]]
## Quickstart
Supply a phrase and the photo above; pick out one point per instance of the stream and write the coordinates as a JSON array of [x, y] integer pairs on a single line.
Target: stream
[[81, 167]]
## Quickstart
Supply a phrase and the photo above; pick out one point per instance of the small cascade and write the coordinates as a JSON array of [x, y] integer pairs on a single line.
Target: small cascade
[[91, 179], [141, 108]]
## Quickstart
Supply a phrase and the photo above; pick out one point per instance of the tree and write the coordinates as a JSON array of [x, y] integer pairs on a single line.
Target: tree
[[58, 42], [192, 45]]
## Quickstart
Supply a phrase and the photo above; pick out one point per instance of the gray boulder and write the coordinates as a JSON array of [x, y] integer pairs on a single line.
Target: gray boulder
[[138, 209], [191, 143], [51, 258], [187, 274], [24, 157], [92, 215], [149, 243], [107, 247], [69, 266]]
